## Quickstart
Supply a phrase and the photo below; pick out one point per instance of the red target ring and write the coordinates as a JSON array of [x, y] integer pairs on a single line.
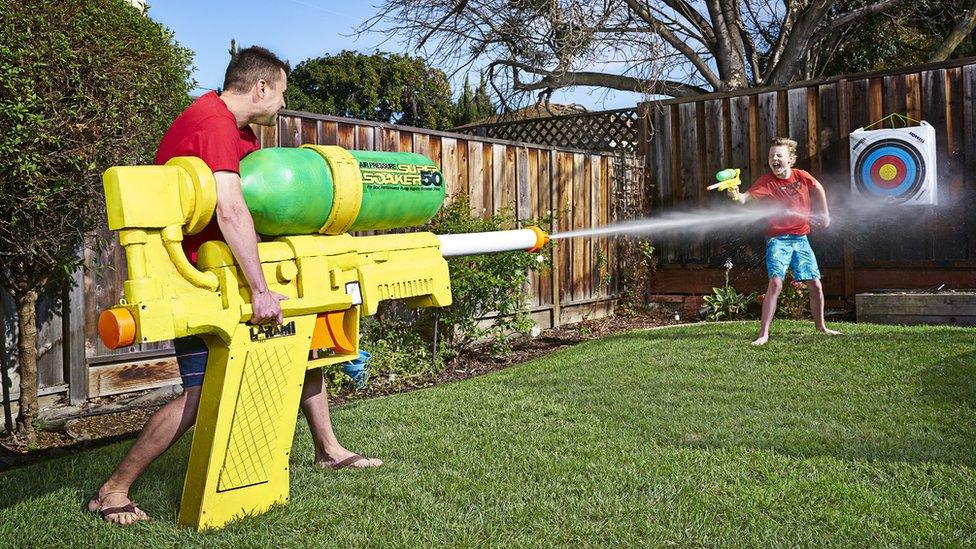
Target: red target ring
[[888, 171]]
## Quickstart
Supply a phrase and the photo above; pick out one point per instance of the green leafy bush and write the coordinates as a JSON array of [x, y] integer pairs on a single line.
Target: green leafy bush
[[489, 306], [483, 286], [726, 303], [794, 300], [84, 85]]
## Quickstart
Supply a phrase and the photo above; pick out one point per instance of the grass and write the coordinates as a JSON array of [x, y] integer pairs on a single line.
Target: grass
[[685, 436]]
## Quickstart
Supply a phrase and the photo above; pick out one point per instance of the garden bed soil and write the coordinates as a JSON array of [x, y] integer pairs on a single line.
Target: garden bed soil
[[111, 419]]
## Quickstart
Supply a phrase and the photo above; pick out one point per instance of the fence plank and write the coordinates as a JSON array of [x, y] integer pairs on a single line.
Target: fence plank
[[690, 179], [943, 235], [564, 178], [969, 148], [488, 179], [597, 257], [798, 128], [448, 162], [74, 350], [662, 156], [767, 113], [475, 187], [310, 132], [577, 258], [364, 138], [289, 131], [739, 134], [522, 184]]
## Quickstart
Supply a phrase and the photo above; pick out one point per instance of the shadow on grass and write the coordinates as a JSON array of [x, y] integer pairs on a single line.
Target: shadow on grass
[[158, 490], [952, 381]]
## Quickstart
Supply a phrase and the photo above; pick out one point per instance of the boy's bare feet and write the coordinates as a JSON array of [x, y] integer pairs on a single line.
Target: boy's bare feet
[[828, 331], [342, 458], [115, 507], [761, 340]]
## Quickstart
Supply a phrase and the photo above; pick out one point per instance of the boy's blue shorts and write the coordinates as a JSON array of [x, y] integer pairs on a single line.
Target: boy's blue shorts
[[794, 252], [191, 355]]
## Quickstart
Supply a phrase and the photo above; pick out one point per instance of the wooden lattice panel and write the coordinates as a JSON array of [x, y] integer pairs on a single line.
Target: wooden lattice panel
[[599, 131]]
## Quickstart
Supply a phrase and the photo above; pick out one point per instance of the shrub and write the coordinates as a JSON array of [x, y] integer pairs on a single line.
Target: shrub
[[489, 306], [84, 85], [794, 300], [726, 303], [483, 286]]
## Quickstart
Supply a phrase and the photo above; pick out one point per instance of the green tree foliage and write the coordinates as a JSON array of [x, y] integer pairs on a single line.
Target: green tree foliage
[[906, 35], [84, 85], [384, 87], [474, 105]]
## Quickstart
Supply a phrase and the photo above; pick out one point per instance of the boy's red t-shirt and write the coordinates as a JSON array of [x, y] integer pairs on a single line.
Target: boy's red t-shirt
[[793, 193], [208, 130]]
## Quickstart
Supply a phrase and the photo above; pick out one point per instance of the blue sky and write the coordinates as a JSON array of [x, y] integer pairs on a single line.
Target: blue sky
[[297, 30]]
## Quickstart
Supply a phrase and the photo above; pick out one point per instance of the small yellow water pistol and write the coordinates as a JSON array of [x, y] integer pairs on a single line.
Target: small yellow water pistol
[[728, 180]]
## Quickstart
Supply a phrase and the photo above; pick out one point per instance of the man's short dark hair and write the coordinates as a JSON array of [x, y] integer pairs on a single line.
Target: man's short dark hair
[[251, 64]]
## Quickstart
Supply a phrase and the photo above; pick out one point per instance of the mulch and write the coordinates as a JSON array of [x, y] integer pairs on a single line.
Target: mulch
[[102, 423]]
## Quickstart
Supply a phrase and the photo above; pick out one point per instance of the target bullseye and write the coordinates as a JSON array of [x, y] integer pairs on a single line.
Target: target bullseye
[[888, 172]]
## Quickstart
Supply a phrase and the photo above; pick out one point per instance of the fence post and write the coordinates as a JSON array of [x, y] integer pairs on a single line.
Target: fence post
[[73, 338], [4, 374], [554, 201]]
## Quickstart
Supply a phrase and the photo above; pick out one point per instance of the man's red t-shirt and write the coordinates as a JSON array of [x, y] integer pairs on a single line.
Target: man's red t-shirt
[[208, 130], [793, 193]]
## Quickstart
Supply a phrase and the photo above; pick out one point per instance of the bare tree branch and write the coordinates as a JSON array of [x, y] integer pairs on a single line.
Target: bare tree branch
[[860, 13], [964, 27], [605, 80], [669, 37], [695, 18]]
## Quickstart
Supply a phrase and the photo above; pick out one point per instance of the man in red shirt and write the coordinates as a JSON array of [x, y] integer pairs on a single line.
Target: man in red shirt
[[787, 245], [216, 129]]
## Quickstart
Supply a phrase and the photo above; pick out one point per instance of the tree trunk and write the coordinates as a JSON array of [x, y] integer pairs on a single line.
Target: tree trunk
[[27, 354]]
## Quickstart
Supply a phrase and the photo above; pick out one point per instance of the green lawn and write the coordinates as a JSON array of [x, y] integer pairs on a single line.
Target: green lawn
[[683, 436]]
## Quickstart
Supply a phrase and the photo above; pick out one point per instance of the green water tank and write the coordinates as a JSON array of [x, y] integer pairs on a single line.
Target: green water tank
[[331, 190]]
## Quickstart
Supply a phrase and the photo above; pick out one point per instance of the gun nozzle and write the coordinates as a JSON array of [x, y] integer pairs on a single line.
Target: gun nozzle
[[117, 327], [541, 239]]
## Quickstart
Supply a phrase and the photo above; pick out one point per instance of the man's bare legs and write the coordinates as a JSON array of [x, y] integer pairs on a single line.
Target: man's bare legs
[[768, 310], [169, 423], [315, 405], [164, 428], [817, 307]]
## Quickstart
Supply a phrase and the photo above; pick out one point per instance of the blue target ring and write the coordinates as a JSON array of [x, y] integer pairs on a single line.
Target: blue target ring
[[911, 171], [910, 175]]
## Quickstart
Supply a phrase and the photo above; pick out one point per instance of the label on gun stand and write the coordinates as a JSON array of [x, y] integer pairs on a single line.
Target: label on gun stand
[[270, 331]]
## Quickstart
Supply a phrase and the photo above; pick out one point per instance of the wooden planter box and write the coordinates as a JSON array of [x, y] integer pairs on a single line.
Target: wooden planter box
[[893, 307]]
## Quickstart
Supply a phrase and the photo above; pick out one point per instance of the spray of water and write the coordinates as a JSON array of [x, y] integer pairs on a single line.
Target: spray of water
[[699, 221]]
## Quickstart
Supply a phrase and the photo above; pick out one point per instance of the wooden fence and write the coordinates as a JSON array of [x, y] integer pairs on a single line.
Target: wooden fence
[[530, 180], [687, 141]]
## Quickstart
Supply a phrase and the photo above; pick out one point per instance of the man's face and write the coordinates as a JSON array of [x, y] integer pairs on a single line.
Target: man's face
[[269, 99], [780, 160]]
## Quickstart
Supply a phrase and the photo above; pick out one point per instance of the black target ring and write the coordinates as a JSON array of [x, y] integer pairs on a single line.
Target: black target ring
[[890, 169]]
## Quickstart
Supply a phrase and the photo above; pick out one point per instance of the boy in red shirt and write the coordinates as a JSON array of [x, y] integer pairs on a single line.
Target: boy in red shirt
[[787, 245]]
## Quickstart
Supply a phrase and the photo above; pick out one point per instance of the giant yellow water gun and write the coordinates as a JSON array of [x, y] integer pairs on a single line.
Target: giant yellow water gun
[[728, 180], [309, 197]]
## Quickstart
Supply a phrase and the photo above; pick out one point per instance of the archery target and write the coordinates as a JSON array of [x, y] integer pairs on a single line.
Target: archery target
[[895, 165]]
